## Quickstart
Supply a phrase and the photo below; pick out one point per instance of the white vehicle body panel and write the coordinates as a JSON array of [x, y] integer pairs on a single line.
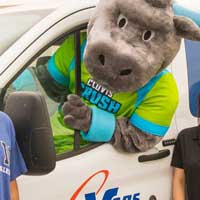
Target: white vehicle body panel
[[53, 23], [125, 172]]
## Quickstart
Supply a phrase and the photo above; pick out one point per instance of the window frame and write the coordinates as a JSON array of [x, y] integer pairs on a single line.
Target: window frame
[[76, 147]]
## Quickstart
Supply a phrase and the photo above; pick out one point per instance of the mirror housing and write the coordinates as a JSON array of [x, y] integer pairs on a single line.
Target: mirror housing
[[28, 111]]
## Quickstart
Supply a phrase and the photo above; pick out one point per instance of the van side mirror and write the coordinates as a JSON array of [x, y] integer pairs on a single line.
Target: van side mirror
[[28, 111]]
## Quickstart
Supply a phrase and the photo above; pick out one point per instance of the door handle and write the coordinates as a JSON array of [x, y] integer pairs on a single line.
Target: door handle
[[156, 156]]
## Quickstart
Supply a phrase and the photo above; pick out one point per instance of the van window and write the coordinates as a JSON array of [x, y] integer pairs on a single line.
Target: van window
[[193, 65], [66, 140]]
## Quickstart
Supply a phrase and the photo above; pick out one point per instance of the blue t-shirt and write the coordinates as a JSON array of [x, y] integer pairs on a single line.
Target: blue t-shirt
[[11, 161]]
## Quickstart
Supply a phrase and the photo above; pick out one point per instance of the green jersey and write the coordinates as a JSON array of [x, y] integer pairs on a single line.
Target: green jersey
[[150, 108]]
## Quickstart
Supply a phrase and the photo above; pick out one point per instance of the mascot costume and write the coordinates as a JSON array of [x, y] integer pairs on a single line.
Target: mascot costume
[[128, 97]]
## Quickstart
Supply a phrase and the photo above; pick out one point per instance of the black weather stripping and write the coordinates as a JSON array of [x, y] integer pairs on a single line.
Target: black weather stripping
[[78, 81]]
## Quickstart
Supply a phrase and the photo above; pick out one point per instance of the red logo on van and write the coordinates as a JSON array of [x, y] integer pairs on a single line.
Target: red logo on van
[[104, 172]]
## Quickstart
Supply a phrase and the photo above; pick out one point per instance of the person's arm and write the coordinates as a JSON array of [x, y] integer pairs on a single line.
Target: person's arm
[[14, 190], [17, 163], [178, 167], [178, 184]]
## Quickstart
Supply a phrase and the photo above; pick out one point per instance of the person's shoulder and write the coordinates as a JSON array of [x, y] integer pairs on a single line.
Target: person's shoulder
[[4, 117], [6, 123], [189, 132]]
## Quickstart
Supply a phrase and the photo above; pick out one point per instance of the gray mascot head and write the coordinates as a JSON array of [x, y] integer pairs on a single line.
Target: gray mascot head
[[130, 41]]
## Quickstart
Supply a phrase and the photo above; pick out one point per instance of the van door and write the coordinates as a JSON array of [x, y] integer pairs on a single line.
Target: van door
[[86, 170]]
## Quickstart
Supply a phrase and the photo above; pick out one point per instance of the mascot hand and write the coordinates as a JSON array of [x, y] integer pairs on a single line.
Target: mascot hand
[[76, 114]]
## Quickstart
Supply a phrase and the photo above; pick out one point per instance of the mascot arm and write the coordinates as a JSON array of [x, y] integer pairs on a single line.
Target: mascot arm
[[96, 125], [53, 89], [54, 72], [134, 134], [131, 139], [145, 127], [94, 122], [150, 121]]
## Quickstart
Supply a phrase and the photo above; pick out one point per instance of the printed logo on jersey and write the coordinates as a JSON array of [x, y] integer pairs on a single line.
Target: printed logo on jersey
[[4, 166], [101, 97]]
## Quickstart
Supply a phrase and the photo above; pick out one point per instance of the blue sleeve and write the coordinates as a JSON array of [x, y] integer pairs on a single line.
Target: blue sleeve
[[55, 74], [17, 164], [102, 126]]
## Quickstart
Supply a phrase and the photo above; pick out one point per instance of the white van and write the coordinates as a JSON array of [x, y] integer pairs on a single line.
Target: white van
[[88, 171]]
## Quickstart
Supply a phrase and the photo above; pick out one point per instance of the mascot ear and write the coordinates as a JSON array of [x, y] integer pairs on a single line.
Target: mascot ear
[[186, 21], [186, 28]]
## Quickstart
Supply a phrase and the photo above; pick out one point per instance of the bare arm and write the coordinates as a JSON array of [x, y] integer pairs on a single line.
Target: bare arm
[[178, 184], [14, 190]]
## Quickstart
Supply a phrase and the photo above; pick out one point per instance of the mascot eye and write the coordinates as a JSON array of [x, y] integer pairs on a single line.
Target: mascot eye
[[122, 21], [148, 35]]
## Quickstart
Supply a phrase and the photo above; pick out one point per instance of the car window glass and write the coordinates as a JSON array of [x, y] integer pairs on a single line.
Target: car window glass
[[28, 81]]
